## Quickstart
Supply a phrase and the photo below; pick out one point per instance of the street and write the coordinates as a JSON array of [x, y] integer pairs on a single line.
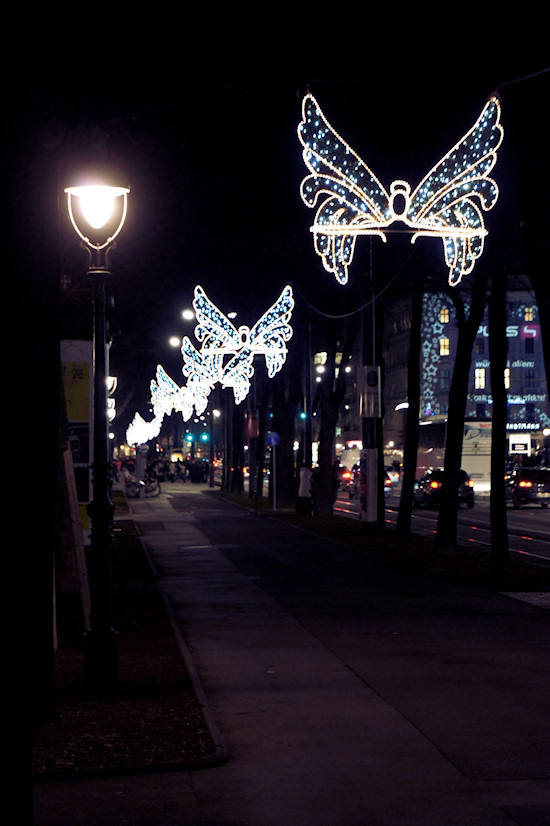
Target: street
[[345, 690], [528, 528]]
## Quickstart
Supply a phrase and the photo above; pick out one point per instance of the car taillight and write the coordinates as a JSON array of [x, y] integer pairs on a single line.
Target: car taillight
[[387, 482]]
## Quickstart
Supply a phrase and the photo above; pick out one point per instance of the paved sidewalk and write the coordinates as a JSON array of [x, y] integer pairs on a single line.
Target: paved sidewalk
[[345, 692]]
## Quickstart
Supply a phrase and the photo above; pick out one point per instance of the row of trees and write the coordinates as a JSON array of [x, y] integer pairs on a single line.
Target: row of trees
[[282, 397]]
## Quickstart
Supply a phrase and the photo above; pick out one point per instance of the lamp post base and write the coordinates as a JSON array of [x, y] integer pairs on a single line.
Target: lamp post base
[[101, 660]]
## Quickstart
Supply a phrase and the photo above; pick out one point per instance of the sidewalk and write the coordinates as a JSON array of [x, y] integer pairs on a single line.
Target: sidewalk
[[345, 692]]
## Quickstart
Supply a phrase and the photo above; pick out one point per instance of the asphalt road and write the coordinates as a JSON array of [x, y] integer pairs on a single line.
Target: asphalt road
[[528, 528]]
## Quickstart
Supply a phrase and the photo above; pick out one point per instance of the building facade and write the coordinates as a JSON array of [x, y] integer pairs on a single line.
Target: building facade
[[525, 376]]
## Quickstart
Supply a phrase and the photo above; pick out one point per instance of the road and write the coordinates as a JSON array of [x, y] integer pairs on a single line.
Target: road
[[528, 528]]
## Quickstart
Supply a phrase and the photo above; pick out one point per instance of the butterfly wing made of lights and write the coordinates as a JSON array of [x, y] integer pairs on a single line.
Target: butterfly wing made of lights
[[166, 396], [450, 199], [220, 339], [202, 372], [237, 374], [351, 199], [139, 431], [267, 337], [272, 331], [214, 330]]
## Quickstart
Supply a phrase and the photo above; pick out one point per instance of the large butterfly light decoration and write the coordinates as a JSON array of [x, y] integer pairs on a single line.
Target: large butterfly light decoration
[[447, 203], [226, 356]]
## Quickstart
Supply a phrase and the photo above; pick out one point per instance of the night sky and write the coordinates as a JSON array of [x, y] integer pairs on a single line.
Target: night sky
[[200, 112]]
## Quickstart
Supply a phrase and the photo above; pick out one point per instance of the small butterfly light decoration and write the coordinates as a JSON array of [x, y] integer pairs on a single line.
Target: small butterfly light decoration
[[220, 340], [226, 357], [447, 203]]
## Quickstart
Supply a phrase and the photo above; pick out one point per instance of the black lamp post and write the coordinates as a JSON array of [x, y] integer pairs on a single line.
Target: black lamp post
[[97, 213]]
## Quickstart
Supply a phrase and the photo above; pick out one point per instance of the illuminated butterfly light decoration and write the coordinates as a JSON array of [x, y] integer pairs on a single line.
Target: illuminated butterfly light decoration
[[166, 396], [226, 356], [227, 353], [448, 202]]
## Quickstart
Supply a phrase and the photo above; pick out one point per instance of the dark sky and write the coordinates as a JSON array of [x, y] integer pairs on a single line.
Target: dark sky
[[200, 113]]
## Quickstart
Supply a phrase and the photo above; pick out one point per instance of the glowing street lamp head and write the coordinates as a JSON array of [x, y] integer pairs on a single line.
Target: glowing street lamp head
[[97, 212], [97, 202]]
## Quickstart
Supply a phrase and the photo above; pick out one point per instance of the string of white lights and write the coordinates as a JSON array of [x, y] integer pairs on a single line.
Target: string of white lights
[[226, 357]]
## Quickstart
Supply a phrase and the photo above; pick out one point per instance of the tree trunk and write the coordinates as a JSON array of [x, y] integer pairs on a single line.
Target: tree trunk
[[285, 405], [497, 354], [323, 489], [445, 540], [403, 526], [331, 395]]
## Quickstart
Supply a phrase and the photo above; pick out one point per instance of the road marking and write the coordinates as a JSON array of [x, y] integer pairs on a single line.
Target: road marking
[[539, 598]]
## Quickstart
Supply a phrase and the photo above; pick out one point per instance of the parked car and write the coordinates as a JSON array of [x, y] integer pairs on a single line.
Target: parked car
[[353, 486], [528, 486], [427, 492]]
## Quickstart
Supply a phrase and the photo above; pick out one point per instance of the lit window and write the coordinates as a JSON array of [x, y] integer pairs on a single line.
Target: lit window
[[507, 378], [479, 378], [529, 314], [444, 347], [444, 316]]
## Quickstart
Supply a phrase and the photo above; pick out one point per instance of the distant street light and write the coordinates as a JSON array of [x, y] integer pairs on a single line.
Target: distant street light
[[97, 213]]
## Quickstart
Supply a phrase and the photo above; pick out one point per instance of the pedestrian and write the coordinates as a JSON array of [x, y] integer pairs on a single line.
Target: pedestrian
[[303, 502]]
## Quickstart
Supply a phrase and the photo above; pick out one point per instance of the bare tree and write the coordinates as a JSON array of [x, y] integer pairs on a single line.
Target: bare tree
[[329, 398], [497, 354], [403, 526], [468, 325]]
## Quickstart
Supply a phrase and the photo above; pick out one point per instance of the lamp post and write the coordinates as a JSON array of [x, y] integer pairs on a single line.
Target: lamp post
[[97, 213]]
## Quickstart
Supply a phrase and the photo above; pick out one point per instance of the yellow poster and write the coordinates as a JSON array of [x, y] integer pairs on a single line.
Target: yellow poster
[[76, 381]]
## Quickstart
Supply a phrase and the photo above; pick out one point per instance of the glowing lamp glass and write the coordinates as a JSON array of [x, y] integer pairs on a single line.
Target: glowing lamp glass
[[97, 202], [96, 206]]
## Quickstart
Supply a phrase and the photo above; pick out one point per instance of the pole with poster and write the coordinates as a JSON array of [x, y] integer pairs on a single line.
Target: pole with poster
[[273, 441], [370, 410]]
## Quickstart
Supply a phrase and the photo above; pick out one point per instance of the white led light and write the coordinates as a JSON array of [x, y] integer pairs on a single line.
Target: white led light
[[221, 339], [448, 202], [139, 431], [226, 357]]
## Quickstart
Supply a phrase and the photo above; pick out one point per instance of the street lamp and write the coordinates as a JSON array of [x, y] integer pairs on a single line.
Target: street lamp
[[97, 213]]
